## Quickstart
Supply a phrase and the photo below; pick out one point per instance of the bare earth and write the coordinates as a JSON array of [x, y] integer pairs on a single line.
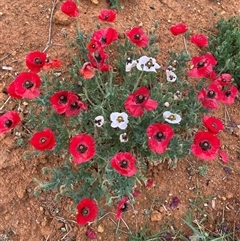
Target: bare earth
[[24, 28]]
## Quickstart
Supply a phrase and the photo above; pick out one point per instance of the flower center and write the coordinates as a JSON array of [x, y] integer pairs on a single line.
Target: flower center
[[124, 207], [43, 140], [8, 123], [205, 145], [201, 64], [120, 119], [75, 106], [123, 164], [140, 99], [104, 39], [63, 99], [211, 94], [228, 93], [98, 57], [106, 17], [85, 211], [172, 117], [82, 148], [37, 61], [149, 64], [137, 36], [159, 136], [28, 84], [171, 77]]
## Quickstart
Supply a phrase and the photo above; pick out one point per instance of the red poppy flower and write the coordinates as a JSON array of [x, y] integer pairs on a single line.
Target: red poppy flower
[[229, 94], [87, 71], [205, 145], [178, 29], [137, 37], [159, 136], [43, 140], [35, 61], [138, 101], [25, 85], [70, 8], [105, 36], [200, 40], [224, 79], [98, 59], [8, 121], [75, 105], [122, 207], [52, 64], [203, 66], [107, 15], [213, 124], [209, 96], [93, 45], [82, 147], [87, 211], [59, 101], [124, 163]]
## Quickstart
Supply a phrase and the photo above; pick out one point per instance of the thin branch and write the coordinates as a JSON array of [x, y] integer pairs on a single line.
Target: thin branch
[[5, 103], [185, 45], [49, 42]]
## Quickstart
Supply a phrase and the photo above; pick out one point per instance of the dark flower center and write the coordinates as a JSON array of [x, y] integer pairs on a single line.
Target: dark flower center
[[28, 84], [123, 164], [82, 148], [124, 207], [228, 93], [137, 36], [85, 211], [43, 140], [201, 64], [171, 77], [75, 106], [98, 122], [159, 136], [104, 39], [93, 46], [140, 99], [205, 145], [63, 99], [149, 64], [106, 17], [124, 136], [128, 61], [37, 61], [211, 94], [8, 123], [98, 57]]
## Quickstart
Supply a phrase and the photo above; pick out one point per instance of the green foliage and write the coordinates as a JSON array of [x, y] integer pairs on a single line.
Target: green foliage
[[225, 46], [105, 93]]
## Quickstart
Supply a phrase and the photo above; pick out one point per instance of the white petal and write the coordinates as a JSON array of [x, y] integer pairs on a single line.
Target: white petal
[[166, 114], [171, 76], [123, 125], [114, 124], [114, 116]]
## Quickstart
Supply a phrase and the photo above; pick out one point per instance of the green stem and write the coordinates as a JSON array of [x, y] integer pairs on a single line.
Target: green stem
[[99, 87], [86, 95], [138, 80]]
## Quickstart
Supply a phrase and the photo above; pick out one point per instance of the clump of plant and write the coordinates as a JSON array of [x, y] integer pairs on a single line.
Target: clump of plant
[[225, 46], [117, 110]]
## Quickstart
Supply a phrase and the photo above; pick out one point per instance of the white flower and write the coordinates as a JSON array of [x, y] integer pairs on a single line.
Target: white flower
[[130, 63], [147, 64], [98, 121], [119, 120], [177, 95], [171, 76], [123, 137], [171, 117]]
